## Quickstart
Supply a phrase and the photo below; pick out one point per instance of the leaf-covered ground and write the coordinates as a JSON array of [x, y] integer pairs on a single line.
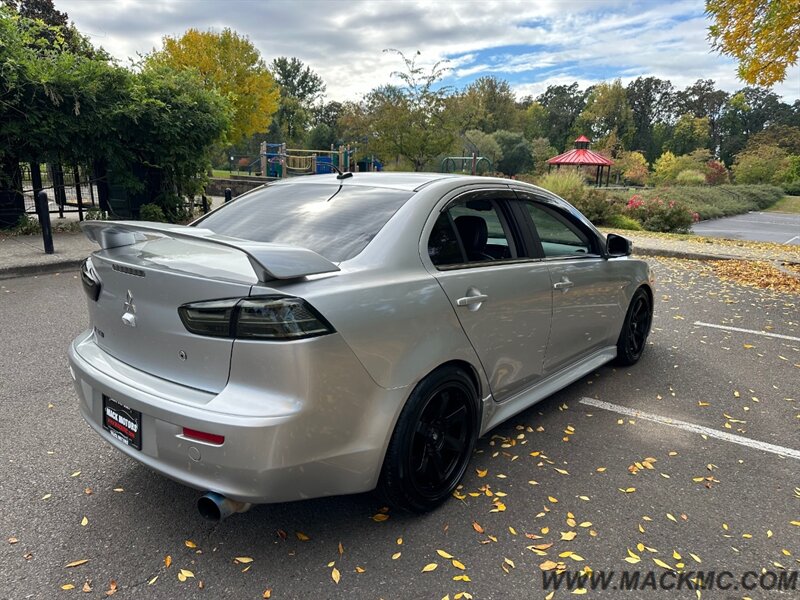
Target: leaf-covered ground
[[561, 486]]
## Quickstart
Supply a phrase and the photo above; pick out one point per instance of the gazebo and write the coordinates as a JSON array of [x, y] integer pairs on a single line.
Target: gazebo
[[581, 156]]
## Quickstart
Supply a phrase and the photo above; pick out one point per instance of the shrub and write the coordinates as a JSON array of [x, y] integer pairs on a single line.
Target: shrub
[[764, 164], [716, 173], [657, 214], [152, 212], [569, 184], [792, 188], [27, 226], [596, 206], [623, 222], [690, 177]]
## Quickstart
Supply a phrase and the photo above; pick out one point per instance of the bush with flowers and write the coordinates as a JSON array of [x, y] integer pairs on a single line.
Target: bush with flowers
[[657, 214]]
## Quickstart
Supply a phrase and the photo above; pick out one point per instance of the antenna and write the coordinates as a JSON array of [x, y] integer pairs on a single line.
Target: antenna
[[341, 174]]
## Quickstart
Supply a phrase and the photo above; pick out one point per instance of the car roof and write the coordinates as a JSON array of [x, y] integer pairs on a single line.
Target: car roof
[[396, 180]]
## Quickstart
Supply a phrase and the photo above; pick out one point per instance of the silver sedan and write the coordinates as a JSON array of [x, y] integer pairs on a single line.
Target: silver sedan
[[333, 334]]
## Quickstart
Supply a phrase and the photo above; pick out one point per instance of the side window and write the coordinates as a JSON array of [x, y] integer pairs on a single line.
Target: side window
[[559, 238], [470, 231]]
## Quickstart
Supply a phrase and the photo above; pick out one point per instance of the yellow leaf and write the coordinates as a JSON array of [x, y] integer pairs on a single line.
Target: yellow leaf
[[67, 587], [458, 565], [566, 554], [562, 471], [190, 544], [243, 559], [795, 523], [585, 524], [553, 500], [84, 522], [444, 554], [301, 536], [481, 472], [76, 563], [662, 564], [118, 489], [181, 577], [360, 570], [512, 531], [601, 469], [429, 567], [568, 536], [396, 555], [75, 474], [335, 575], [548, 565], [153, 580], [695, 558], [671, 518], [579, 591], [550, 596], [509, 562], [586, 498], [629, 490], [380, 517], [187, 573], [167, 560], [576, 557], [461, 578], [267, 594], [46, 496], [631, 560]]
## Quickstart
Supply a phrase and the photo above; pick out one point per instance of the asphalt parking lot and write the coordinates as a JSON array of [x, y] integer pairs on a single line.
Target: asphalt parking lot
[[781, 228], [687, 461]]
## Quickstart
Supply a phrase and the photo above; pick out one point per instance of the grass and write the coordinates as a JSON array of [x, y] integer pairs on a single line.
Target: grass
[[225, 174], [787, 204]]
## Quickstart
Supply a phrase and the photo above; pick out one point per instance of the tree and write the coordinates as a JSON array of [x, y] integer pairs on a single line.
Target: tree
[[630, 167], [651, 101], [765, 164], [534, 121], [763, 35], [607, 113], [747, 112], [702, 99], [497, 102], [542, 151], [689, 134], [300, 88], [484, 144], [230, 64], [783, 136], [410, 121], [564, 103], [517, 152]]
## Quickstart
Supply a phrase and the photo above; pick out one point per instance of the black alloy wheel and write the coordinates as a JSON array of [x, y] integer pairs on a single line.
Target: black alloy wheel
[[432, 442], [635, 329]]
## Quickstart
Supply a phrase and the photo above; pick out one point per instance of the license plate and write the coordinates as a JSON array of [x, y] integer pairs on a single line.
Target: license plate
[[122, 422]]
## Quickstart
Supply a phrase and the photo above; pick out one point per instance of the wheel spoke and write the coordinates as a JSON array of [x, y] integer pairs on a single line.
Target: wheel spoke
[[453, 443], [423, 462], [456, 417], [438, 466]]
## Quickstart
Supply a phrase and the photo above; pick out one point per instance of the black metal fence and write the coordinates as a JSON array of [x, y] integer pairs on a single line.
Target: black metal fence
[[69, 189]]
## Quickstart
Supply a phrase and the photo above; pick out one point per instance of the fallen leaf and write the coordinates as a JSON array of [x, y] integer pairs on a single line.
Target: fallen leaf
[[568, 536], [243, 559], [335, 575], [380, 517], [477, 527], [548, 565], [67, 587], [12, 540], [84, 522], [458, 565], [267, 594], [302, 536], [187, 573], [46, 496], [444, 554], [396, 555], [153, 580], [429, 567], [87, 587], [76, 563], [167, 561], [360, 570], [112, 588], [190, 544], [75, 474]]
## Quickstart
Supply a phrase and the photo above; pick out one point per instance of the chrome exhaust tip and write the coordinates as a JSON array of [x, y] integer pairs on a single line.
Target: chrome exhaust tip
[[216, 507]]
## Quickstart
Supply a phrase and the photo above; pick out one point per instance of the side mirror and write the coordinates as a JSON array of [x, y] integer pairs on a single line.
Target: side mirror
[[616, 245]]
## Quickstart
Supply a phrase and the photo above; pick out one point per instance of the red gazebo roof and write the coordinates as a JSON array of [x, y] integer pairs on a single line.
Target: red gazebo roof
[[581, 156]]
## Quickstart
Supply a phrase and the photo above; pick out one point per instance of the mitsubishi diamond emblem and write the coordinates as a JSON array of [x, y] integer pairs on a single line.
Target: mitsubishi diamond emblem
[[129, 318]]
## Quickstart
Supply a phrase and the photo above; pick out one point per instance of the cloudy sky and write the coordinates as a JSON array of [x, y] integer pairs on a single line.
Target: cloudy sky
[[532, 44]]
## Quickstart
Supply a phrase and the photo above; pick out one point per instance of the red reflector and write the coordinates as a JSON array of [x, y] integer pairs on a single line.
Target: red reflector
[[211, 438]]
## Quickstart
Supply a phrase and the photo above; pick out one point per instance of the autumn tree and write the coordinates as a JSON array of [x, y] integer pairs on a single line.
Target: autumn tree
[[762, 35], [230, 64], [607, 113]]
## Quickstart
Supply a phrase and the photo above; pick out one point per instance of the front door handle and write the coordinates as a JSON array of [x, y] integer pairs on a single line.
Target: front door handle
[[564, 284], [473, 299]]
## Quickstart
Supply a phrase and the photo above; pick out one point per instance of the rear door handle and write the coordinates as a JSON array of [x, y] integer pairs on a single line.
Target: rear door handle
[[472, 300], [476, 299], [564, 284]]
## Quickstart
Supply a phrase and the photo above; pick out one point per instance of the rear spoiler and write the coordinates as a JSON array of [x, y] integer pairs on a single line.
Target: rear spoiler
[[269, 261]]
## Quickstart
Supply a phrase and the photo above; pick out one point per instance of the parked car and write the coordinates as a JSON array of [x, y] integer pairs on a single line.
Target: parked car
[[333, 334]]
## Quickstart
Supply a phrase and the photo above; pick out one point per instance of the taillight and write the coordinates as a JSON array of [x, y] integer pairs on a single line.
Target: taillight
[[204, 436], [276, 318], [90, 280]]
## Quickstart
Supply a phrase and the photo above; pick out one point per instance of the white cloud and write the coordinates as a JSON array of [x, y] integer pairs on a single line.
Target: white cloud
[[532, 44]]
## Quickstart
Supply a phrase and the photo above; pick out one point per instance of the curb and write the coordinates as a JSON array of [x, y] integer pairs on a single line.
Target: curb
[[42, 269], [686, 254]]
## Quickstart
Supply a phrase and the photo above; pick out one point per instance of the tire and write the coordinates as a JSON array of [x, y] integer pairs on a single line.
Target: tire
[[635, 329], [432, 442]]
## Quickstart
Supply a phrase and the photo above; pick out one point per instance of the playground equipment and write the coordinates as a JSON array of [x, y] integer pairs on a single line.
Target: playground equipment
[[466, 164], [279, 161]]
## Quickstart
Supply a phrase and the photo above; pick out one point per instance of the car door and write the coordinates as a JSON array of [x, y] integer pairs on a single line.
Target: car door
[[501, 295], [585, 287]]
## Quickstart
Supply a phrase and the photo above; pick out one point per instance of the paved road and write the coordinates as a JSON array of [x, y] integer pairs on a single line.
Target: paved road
[[782, 228], [561, 465]]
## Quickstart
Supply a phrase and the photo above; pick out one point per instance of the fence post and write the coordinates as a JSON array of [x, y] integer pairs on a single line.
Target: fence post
[[36, 179], [228, 194], [43, 212], [78, 195], [58, 187], [205, 204]]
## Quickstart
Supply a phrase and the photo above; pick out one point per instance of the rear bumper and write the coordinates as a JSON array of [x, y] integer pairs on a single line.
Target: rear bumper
[[312, 424]]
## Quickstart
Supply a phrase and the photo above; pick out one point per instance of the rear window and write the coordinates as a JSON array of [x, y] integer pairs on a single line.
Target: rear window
[[334, 222]]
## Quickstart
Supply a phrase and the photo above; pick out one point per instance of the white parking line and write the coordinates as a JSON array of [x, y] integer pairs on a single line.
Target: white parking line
[[753, 331], [691, 427], [790, 240]]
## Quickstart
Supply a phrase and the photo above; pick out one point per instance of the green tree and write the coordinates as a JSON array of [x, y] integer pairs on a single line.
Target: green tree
[[410, 121], [763, 35], [496, 101], [230, 64], [746, 113], [542, 151], [563, 103], [484, 144], [651, 101], [534, 121], [300, 87], [517, 152], [764, 164], [702, 99], [607, 113], [689, 134]]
